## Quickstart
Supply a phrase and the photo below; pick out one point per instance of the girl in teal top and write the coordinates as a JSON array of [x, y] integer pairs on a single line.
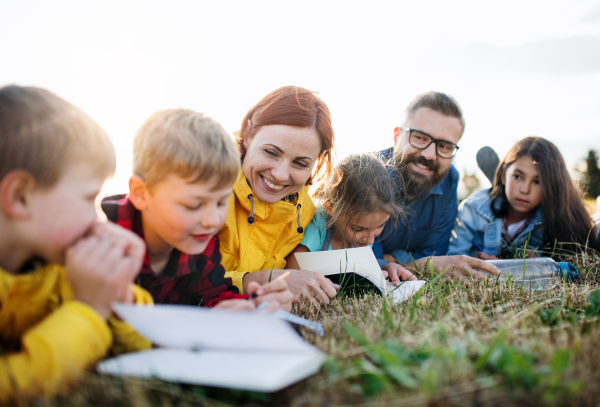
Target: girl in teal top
[[352, 209]]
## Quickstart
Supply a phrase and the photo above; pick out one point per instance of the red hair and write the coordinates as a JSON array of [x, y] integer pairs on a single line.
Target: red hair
[[298, 107]]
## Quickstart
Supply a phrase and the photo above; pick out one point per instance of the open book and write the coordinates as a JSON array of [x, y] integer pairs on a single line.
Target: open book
[[354, 270], [241, 350]]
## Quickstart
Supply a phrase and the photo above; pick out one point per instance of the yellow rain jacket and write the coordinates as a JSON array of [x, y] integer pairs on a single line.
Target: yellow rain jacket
[[48, 339], [269, 240]]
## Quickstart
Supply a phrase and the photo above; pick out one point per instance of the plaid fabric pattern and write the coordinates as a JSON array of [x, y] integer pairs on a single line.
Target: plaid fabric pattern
[[507, 240], [187, 279]]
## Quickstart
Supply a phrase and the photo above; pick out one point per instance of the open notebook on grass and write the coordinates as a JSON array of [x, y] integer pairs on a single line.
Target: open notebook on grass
[[356, 270], [241, 350]]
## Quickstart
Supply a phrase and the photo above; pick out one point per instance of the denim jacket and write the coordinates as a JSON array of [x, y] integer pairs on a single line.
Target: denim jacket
[[476, 223]]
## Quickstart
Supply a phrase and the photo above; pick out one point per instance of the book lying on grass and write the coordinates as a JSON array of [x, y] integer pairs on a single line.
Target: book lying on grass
[[356, 271], [240, 350]]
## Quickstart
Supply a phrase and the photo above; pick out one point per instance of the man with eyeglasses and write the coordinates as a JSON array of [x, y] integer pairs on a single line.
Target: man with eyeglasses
[[426, 183]]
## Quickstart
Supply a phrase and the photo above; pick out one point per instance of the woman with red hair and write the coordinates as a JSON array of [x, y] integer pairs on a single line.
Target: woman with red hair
[[286, 140]]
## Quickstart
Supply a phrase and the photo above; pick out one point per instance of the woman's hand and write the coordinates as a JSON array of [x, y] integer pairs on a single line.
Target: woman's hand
[[311, 286], [303, 284], [396, 273]]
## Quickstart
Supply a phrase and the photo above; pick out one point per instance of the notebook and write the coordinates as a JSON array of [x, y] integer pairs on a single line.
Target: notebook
[[240, 350], [356, 269]]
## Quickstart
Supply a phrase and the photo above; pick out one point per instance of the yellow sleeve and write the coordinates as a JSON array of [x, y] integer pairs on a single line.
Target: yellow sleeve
[[126, 339], [236, 278], [279, 258], [54, 353]]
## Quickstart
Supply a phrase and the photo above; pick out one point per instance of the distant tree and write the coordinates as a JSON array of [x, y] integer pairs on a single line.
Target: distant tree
[[471, 184], [590, 179]]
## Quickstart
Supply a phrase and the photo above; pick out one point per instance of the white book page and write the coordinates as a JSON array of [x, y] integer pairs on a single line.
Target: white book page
[[189, 327], [264, 372], [360, 259], [406, 290]]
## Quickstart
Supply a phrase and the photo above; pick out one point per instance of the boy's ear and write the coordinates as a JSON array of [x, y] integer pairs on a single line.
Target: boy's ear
[[15, 194], [138, 192]]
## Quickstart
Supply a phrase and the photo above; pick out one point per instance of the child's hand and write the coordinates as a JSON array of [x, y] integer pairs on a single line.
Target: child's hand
[[132, 246], [275, 291], [484, 256], [101, 268], [236, 305], [396, 273]]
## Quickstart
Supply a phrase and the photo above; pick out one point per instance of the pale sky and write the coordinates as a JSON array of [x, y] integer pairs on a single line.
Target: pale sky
[[517, 68]]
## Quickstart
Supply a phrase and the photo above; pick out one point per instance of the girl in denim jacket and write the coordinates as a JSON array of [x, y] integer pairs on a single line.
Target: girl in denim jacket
[[533, 205]]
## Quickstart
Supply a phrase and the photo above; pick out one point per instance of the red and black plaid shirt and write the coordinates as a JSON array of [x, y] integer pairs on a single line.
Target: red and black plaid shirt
[[187, 279]]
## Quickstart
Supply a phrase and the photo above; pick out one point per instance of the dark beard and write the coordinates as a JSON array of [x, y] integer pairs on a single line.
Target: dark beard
[[414, 184]]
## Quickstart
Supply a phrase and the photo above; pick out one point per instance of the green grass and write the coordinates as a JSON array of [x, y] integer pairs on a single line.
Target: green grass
[[455, 343]]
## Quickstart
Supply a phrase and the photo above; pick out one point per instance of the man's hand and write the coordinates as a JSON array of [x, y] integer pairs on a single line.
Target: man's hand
[[102, 266], [484, 256], [459, 266], [276, 292], [303, 284], [396, 273]]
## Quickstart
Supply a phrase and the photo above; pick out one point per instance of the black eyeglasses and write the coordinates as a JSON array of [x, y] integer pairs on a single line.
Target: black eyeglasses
[[420, 140]]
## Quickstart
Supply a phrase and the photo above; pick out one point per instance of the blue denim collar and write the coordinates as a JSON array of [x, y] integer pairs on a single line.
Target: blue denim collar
[[483, 208]]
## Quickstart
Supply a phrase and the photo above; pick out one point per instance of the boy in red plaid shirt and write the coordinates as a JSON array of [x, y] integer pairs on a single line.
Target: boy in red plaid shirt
[[185, 165]]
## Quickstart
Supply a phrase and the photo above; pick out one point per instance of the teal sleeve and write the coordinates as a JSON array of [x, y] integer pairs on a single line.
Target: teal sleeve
[[314, 234]]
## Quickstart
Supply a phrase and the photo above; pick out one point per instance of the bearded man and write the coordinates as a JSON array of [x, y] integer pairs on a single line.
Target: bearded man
[[426, 183]]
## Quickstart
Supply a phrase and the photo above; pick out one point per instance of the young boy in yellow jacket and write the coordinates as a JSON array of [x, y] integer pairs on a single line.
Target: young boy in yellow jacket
[[60, 269]]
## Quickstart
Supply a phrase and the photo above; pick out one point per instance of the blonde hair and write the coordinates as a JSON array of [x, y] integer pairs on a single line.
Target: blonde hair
[[43, 134], [186, 143]]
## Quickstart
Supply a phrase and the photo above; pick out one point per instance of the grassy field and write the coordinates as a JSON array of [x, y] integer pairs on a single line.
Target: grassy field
[[455, 343]]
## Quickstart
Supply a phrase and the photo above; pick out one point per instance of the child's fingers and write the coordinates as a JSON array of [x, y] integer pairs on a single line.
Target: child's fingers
[[81, 249], [394, 278], [127, 269], [274, 286], [252, 288], [273, 306], [284, 298], [237, 305], [406, 275], [385, 273], [94, 253], [130, 243]]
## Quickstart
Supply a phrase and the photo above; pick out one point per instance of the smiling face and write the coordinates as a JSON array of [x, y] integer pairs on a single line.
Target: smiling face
[[363, 229], [65, 212], [182, 215], [280, 159], [423, 169], [523, 187]]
